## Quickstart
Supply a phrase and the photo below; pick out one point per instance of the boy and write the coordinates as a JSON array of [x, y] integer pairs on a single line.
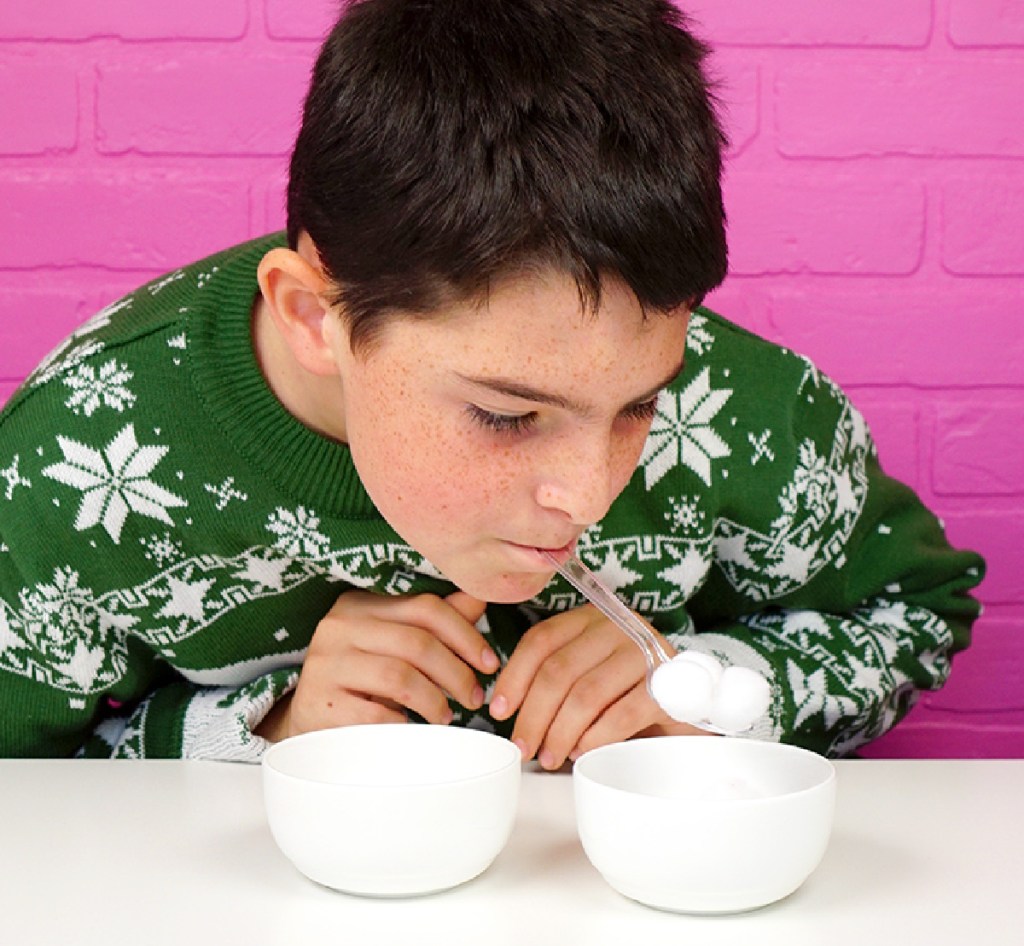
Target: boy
[[310, 482]]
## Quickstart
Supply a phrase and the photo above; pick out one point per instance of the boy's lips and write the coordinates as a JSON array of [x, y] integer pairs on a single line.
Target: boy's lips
[[559, 553], [539, 553]]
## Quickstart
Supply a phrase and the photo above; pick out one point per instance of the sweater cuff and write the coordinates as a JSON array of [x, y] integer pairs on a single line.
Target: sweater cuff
[[220, 723]]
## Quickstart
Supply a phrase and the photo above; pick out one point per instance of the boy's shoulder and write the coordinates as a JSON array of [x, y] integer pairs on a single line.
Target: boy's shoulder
[[764, 373], [157, 308], [753, 420], [757, 452], [713, 337], [163, 300]]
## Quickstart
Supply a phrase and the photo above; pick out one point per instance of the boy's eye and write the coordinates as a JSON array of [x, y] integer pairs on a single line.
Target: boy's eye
[[645, 410], [501, 423]]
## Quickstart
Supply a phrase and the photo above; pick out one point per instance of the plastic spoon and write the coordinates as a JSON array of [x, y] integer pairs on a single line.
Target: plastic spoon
[[691, 687]]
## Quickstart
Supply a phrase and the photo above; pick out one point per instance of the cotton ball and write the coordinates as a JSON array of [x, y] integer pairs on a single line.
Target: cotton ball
[[740, 698], [709, 663], [683, 689]]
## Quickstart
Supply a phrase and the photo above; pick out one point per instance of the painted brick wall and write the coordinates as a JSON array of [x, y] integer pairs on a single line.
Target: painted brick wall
[[875, 189]]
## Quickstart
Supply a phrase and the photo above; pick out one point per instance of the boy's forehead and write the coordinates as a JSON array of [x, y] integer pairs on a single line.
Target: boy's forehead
[[559, 291], [536, 314]]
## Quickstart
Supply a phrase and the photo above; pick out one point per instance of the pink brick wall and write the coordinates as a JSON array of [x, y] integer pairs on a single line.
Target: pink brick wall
[[875, 190]]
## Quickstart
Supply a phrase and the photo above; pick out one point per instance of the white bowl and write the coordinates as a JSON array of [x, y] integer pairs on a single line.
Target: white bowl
[[704, 825], [392, 810]]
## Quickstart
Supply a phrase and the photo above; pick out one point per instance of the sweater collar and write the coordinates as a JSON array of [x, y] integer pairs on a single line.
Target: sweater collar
[[308, 467]]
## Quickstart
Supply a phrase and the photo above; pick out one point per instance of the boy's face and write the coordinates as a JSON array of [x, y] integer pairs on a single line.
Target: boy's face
[[494, 430]]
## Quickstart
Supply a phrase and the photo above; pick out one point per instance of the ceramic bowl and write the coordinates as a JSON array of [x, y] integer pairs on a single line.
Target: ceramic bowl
[[704, 825], [392, 810]]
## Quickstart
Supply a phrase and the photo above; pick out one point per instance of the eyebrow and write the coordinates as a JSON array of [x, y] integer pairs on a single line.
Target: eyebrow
[[526, 392]]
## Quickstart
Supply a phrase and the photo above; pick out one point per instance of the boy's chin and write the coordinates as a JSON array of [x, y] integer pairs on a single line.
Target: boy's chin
[[513, 588]]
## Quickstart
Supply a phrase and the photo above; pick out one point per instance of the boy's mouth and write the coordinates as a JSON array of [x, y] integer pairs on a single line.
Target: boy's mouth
[[537, 555], [560, 554]]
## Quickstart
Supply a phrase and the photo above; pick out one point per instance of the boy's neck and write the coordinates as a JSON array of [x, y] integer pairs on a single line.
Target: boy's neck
[[314, 401]]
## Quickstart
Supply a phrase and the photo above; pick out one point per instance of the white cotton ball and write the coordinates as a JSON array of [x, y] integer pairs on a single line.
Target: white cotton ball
[[683, 688], [740, 699], [709, 663]]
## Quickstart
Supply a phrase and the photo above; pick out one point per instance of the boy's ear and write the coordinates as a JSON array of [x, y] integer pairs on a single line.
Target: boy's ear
[[294, 292]]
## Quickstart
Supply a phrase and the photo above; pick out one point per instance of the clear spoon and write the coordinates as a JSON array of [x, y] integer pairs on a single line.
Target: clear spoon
[[602, 598], [609, 604]]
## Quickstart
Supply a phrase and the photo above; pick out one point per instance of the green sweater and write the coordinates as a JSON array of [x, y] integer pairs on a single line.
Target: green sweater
[[170, 537]]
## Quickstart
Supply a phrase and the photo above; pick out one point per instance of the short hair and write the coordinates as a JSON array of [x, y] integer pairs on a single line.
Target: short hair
[[446, 144]]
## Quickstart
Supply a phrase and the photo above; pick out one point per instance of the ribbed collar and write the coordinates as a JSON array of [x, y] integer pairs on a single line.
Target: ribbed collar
[[309, 468]]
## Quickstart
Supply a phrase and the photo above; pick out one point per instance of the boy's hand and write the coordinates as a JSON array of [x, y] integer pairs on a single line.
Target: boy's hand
[[578, 683], [373, 657]]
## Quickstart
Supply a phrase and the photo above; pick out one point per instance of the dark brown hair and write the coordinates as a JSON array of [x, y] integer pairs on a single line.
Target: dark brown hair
[[448, 143]]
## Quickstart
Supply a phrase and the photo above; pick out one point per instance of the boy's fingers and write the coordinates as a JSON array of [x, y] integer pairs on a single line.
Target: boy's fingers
[[533, 651], [392, 684], [570, 690], [609, 699], [514, 681], [413, 646], [445, 621], [624, 719], [472, 609]]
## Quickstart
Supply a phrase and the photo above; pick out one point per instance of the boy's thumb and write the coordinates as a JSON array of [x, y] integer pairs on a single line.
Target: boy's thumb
[[470, 608]]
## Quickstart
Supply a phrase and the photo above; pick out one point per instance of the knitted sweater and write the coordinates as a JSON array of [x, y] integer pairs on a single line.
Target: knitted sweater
[[170, 537]]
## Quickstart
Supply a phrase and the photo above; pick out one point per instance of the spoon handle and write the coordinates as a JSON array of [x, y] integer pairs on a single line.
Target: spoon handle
[[602, 598]]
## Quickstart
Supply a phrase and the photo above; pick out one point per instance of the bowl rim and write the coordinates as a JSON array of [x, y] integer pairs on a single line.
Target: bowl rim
[[271, 764], [828, 770]]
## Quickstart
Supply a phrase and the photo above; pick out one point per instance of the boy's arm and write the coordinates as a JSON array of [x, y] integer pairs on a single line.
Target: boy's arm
[[67, 666], [850, 653], [182, 720], [53, 703]]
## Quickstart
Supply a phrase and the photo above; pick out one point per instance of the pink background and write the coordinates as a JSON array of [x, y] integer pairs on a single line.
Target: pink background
[[875, 189]]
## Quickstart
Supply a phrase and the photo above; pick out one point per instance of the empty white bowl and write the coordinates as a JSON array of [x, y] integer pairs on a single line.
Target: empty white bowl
[[392, 810], [704, 825]]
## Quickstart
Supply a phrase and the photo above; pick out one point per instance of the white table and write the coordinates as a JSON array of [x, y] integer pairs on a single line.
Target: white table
[[148, 853]]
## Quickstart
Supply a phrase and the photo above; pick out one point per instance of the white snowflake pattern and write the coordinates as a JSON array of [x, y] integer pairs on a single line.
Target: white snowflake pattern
[[102, 318], [225, 493], [92, 390], [682, 432], [14, 478], [264, 571], [64, 358], [698, 339], [761, 449], [812, 698], [52, 611], [614, 573], [811, 374], [162, 549], [298, 533], [114, 482], [64, 622], [809, 489], [685, 514], [155, 287], [203, 279]]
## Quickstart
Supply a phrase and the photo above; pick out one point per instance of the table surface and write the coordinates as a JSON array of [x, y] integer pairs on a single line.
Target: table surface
[[928, 852]]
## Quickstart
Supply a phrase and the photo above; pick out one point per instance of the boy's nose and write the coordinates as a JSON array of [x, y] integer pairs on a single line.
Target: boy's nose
[[581, 486]]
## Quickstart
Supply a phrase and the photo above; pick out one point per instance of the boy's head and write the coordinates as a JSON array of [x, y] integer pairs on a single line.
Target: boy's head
[[447, 144]]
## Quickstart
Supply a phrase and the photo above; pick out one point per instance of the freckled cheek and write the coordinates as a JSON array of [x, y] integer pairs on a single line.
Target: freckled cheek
[[625, 458], [418, 466]]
